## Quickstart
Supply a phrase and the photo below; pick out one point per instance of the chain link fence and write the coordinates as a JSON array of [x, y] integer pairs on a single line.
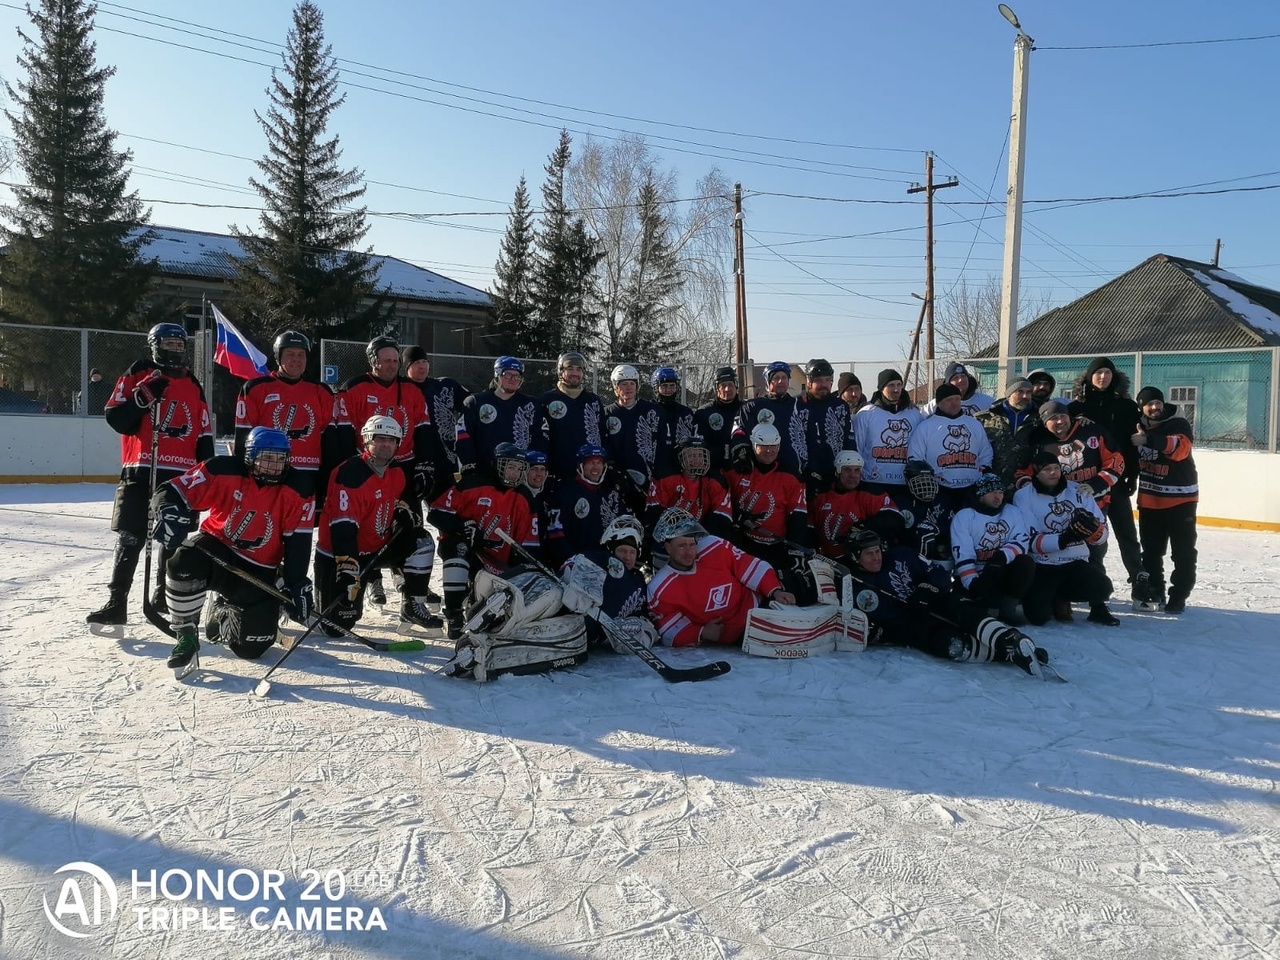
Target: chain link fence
[[1229, 396]]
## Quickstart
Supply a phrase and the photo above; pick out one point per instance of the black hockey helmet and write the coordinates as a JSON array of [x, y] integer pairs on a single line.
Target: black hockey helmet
[[380, 343], [726, 375], [505, 454], [167, 359], [819, 368], [861, 538], [693, 456], [290, 338]]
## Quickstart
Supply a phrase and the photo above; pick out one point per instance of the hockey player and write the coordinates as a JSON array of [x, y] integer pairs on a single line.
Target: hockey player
[[769, 501], [778, 408], [989, 544], [704, 592], [881, 431], [909, 602], [826, 418], [675, 421], [632, 427], [625, 594], [444, 397], [972, 401], [953, 443], [286, 400], [1167, 496], [365, 511], [467, 516], [259, 522], [161, 390], [583, 507], [694, 489], [572, 416], [925, 516], [501, 414], [714, 420], [1008, 425], [1064, 520], [1043, 386], [842, 509], [1087, 451]]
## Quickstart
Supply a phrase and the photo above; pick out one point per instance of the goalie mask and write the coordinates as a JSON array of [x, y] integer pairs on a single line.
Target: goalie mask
[[921, 481], [266, 454], [676, 522], [694, 457], [624, 529]]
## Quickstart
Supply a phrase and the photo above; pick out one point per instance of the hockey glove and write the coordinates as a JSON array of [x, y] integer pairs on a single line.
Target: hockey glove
[[740, 459], [1089, 528], [475, 537], [302, 601], [346, 580], [150, 390], [925, 595], [424, 475], [1069, 538], [173, 523], [998, 560], [404, 519]]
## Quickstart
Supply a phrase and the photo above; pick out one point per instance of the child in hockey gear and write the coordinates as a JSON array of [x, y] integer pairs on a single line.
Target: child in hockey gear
[[156, 391], [926, 519], [708, 586], [366, 510], [700, 494], [467, 517], [909, 602], [989, 543], [1064, 520], [1168, 493], [259, 522]]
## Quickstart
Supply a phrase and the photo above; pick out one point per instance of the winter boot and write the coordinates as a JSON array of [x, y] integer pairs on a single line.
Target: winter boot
[[1062, 611], [414, 615], [1098, 613], [377, 595], [187, 648], [1176, 605], [113, 612]]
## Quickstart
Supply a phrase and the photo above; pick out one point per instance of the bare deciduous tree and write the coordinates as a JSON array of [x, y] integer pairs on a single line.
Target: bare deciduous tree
[[967, 320]]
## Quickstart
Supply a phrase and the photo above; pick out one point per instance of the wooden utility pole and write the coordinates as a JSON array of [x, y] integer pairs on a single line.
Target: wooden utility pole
[[742, 356], [928, 191]]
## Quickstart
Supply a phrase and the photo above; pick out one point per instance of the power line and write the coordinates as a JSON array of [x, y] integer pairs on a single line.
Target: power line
[[1164, 43]]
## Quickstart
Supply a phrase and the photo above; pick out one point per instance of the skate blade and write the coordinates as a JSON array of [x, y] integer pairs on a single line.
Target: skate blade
[[1145, 606], [417, 630], [113, 630], [187, 669]]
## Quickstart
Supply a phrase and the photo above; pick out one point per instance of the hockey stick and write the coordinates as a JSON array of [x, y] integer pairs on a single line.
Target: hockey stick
[[148, 610], [383, 646], [669, 673]]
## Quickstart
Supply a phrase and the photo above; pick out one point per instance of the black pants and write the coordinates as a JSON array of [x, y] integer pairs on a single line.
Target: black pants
[[190, 574], [1124, 533], [1074, 581], [1013, 580], [1172, 529], [412, 550], [129, 521]]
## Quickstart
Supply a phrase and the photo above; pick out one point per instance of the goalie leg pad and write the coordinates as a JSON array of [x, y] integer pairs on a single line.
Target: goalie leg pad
[[792, 633], [543, 645]]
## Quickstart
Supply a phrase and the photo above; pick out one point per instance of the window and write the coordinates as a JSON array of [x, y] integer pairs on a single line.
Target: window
[[1185, 398]]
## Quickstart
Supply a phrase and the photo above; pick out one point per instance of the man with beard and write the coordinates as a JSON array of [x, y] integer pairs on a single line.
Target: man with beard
[[989, 544], [1008, 425], [778, 408], [572, 416], [826, 419], [714, 420], [500, 414], [849, 387]]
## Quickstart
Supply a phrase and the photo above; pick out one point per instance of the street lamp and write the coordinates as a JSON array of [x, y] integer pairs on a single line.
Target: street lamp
[[1022, 46]]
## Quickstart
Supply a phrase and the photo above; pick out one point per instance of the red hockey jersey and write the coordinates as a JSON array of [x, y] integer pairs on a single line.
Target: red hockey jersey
[[358, 509], [182, 421], [302, 410], [723, 585], [402, 400]]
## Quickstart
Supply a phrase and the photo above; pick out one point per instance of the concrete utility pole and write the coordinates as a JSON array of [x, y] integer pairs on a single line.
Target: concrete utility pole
[[1022, 47], [928, 191], [742, 357]]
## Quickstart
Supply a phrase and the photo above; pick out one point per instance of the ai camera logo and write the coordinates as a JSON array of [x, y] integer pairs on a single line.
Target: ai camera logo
[[84, 902]]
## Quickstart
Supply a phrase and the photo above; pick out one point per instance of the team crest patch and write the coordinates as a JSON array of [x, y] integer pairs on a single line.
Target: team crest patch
[[1093, 443], [272, 398], [556, 409], [616, 568], [718, 599], [715, 421], [581, 508], [371, 400], [613, 425], [488, 414], [765, 416]]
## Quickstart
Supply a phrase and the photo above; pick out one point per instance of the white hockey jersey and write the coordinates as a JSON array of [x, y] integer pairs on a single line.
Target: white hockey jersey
[[976, 537], [957, 448], [1048, 516]]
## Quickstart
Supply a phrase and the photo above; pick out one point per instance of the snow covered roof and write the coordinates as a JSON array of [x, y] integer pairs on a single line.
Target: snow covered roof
[[213, 255]]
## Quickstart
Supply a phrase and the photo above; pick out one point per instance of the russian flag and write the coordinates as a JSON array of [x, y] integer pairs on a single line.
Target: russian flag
[[235, 352]]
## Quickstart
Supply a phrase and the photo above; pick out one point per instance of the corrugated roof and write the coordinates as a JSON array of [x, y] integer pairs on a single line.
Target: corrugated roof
[[1164, 303], [213, 255]]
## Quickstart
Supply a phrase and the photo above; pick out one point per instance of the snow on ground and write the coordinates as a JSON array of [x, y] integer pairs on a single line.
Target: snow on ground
[[881, 804]]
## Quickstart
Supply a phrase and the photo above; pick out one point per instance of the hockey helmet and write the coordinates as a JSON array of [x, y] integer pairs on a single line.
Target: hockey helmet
[[624, 371], [380, 426], [726, 375], [507, 365], [535, 458], [380, 343], [571, 358], [819, 368], [266, 453], [849, 458], [778, 366], [663, 375], [765, 435], [861, 538], [693, 456], [289, 338], [592, 451], [922, 482], [166, 357], [676, 522], [505, 455], [625, 529]]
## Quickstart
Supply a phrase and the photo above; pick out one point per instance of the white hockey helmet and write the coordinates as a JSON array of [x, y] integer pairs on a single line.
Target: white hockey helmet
[[624, 529], [624, 371], [765, 435], [849, 458], [380, 426]]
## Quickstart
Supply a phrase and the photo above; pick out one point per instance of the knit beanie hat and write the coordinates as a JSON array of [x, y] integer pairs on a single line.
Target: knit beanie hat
[[846, 381], [411, 354], [887, 376], [945, 390], [1051, 408], [1016, 383], [1043, 456], [1147, 394], [1096, 364]]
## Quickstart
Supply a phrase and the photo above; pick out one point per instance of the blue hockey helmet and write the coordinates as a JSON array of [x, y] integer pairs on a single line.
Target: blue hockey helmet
[[663, 375], [266, 453], [507, 365], [535, 458], [166, 357], [778, 366]]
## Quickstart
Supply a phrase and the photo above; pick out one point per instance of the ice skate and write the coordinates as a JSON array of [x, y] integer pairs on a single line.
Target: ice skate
[[185, 658], [109, 619], [415, 617]]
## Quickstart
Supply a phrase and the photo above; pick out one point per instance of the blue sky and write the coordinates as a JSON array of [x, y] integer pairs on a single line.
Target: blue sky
[[878, 83]]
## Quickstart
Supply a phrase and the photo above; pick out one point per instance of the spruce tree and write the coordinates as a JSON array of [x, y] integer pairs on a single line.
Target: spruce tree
[[551, 280], [302, 268], [513, 278], [74, 230]]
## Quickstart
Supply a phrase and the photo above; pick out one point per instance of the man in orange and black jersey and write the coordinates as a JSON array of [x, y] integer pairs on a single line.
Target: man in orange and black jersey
[[259, 522], [366, 510], [468, 516], [285, 400], [157, 389]]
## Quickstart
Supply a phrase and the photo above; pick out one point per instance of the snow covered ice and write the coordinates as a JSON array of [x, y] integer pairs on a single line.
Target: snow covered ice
[[883, 804]]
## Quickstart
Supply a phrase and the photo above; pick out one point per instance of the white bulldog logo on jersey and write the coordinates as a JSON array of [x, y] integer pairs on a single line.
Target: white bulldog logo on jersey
[[1059, 516], [718, 598], [893, 440]]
